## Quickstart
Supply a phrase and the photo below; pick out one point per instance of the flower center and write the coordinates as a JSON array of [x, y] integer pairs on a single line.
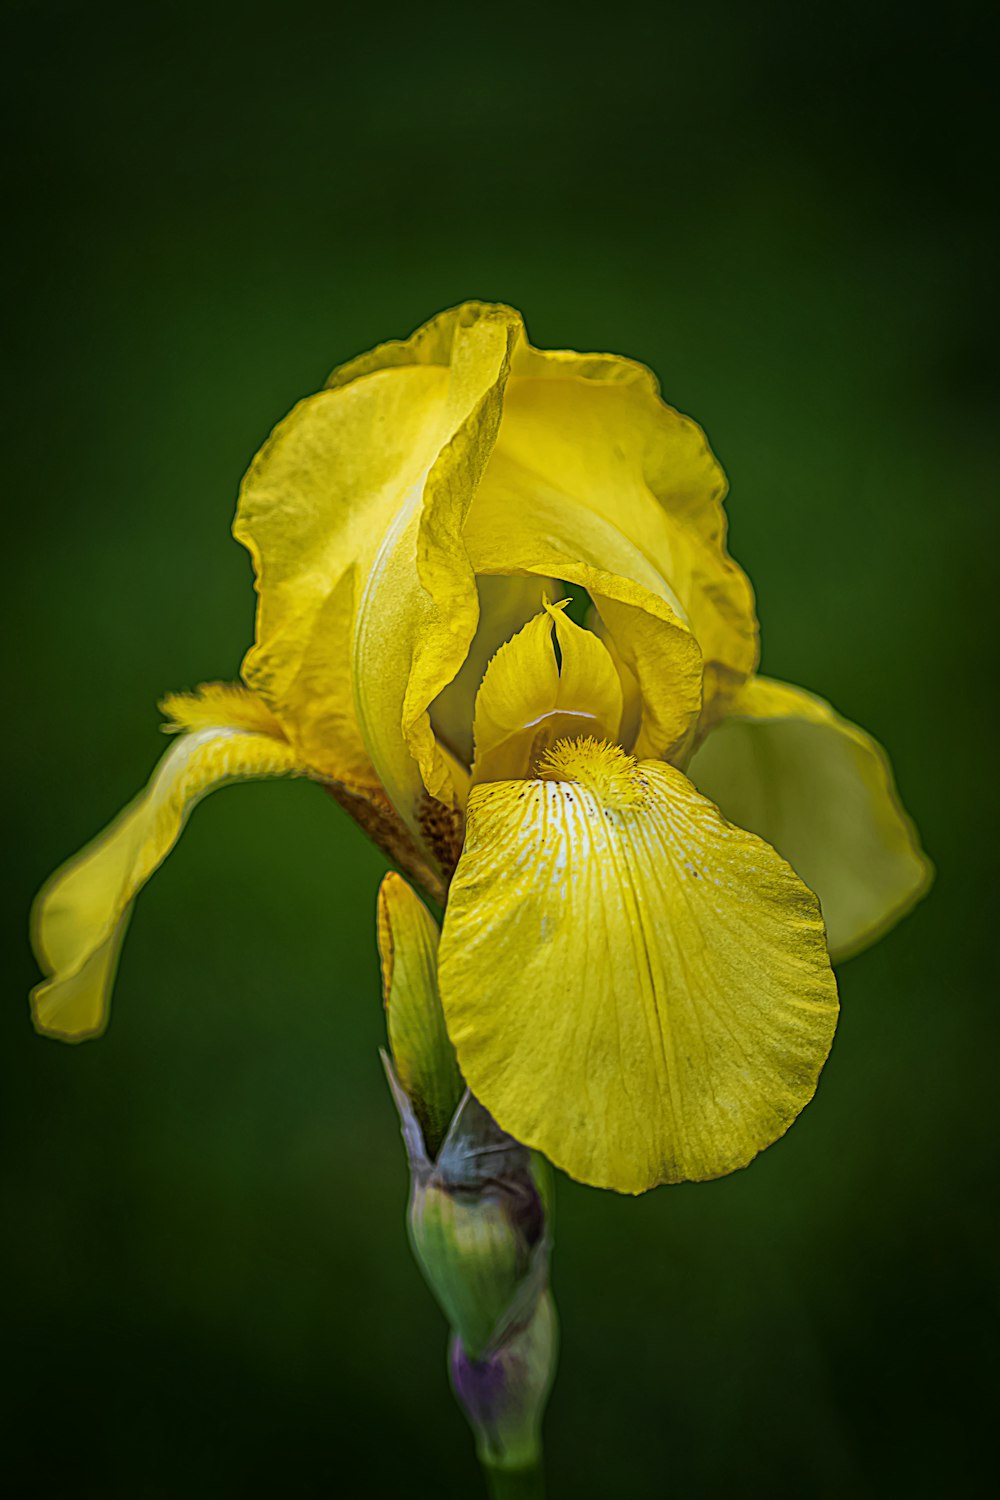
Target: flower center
[[604, 769]]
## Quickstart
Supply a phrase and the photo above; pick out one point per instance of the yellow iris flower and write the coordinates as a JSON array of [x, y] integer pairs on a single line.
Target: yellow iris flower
[[633, 833]]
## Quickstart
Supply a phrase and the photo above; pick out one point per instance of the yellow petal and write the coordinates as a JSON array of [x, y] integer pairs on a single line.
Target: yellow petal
[[633, 986], [786, 766], [521, 523], [73, 1006], [568, 364], [526, 701], [313, 510], [423, 1056], [419, 611], [594, 427], [505, 604], [588, 681], [79, 917], [353, 514], [631, 696]]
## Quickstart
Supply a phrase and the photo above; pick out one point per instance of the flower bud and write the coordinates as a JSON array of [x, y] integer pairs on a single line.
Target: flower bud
[[477, 1227], [477, 1212], [504, 1394], [423, 1057]]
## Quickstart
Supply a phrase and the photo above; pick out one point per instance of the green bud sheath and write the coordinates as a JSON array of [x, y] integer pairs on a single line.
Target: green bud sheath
[[477, 1229], [421, 1052]]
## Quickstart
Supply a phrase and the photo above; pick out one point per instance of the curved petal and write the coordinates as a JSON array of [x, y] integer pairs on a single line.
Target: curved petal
[[632, 985], [568, 364], [419, 611], [521, 524], [527, 700], [79, 918], [505, 604], [352, 513], [360, 496], [786, 766], [314, 508], [588, 679], [631, 696], [595, 428]]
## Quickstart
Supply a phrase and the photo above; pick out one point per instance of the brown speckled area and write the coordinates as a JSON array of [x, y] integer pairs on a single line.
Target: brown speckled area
[[444, 829], [374, 813]]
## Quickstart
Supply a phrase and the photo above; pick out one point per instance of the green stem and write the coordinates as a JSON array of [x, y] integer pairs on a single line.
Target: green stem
[[515, 1484]]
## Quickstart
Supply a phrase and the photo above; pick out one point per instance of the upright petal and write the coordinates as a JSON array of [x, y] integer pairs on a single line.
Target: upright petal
[[631, 696], [353, 514], [594, 427], [527, 701], [523, 524], [418, 613], [786, 766], [505, 604], [588, 678], [313, 511], [79, 918], [633, 986]]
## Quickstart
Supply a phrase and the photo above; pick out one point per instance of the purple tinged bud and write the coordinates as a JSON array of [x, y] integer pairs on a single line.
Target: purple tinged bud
[[504, 1393], [477, 1224]]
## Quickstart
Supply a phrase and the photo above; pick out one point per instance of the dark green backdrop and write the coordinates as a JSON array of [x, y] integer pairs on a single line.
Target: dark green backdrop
[[782, 209]]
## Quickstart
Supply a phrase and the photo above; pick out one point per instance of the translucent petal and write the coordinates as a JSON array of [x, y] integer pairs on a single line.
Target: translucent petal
[[786, 766]]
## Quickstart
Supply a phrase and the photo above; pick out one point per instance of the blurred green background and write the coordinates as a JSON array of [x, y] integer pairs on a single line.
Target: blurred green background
[[783, 210]]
